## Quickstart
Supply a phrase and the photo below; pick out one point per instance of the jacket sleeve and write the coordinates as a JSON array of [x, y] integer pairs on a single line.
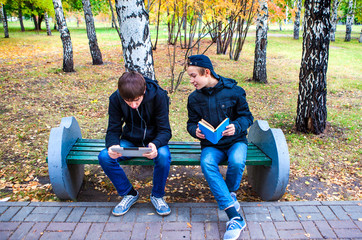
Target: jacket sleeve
[[193, 118], [161, 111], [115, 122], [244, 117]]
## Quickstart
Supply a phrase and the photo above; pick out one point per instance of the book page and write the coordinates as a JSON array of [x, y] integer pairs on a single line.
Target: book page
[[207, 125]]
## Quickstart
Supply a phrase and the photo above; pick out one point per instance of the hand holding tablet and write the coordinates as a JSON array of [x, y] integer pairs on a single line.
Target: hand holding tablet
[[131, 151]]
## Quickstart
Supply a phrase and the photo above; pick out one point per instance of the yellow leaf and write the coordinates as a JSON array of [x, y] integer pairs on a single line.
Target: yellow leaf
[[306, 182], [189, 225], [360, 219]]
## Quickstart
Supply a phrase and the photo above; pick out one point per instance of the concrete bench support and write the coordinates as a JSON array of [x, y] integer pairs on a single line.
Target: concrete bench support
[[66, 179], [269, 182]]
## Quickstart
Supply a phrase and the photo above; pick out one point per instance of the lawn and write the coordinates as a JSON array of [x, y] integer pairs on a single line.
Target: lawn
[[36, 94]]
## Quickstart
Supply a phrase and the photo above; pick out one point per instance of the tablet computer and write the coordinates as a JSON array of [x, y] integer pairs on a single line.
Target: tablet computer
[[131, 151]]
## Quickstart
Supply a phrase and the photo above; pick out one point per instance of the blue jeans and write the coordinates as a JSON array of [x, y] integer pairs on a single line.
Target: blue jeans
[[119, 179], [220, 188]]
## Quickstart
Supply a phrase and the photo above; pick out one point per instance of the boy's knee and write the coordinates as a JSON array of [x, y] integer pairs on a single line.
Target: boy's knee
[[163, 158], [103, 157], [207, 164]]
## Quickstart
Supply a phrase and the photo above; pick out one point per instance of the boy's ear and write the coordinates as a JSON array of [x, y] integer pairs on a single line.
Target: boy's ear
[[207, 72]]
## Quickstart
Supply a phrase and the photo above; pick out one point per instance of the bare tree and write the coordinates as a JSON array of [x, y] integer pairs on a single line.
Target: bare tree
[[135, 36], [91, 33], [261, 42], [312, 108], [68, 64]]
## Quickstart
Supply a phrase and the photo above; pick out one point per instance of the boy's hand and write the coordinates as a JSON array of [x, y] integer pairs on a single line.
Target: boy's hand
[[113, 154], [153, 154], [199, 134], [229, 131]]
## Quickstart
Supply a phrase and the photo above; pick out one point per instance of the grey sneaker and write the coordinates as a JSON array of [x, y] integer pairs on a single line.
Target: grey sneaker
[[125, 204], [161, 206], [236, 203]]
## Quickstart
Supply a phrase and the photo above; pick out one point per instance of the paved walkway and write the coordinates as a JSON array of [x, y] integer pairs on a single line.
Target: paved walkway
[[265, 220]]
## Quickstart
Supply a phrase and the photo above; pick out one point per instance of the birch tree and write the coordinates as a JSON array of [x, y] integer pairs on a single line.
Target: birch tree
[[49, 32], [68, 64], [297, 19], [4, 20], [135, 36], [349, 21], [334, 19], [261, 41], [312, 108], [91, 33]]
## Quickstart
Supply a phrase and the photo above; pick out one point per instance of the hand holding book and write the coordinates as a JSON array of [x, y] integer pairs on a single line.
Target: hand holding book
[[214, 134]]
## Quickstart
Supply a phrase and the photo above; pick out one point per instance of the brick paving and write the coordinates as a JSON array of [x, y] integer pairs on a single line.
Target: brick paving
[[265, 220]]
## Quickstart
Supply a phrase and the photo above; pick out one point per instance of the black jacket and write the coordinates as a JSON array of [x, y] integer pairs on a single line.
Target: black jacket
[[149, 123], [214, 104]]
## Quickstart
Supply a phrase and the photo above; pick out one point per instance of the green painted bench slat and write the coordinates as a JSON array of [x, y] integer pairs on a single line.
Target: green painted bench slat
[[85, 151]]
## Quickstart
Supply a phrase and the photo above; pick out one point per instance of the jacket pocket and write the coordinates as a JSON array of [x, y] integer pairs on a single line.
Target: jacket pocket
[[227, 108]]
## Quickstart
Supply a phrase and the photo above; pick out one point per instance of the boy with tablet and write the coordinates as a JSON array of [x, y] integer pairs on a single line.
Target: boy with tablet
[[138, 117]]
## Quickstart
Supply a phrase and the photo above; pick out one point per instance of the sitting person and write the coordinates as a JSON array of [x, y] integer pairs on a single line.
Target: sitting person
[[142, 106], [215, 99]]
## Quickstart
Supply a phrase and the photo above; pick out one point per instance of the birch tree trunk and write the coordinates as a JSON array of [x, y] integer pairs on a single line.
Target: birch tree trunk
[[68, 64], [4, 20], [261, 42], [334, 19], [135, 36], [91, 33], [349, 21], [312, 109], [297, 20], [49, 32]]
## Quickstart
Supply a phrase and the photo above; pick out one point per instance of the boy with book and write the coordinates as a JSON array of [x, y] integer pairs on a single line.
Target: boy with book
[[138, 117], [215, 99]]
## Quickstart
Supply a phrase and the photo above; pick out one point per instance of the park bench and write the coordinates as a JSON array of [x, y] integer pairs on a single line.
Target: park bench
[[267, 158]]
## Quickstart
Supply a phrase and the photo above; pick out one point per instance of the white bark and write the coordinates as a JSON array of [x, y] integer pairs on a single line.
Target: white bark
[[136, 41], [4, 20], [349, 21], [49, 32], [91, 33], [68, 65], [297, 19], [261, 41], [334, 19]]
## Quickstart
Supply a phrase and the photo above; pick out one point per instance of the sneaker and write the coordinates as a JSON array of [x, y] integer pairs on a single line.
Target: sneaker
[[161, 206], [236, 203], [234, 228], [125, 204]]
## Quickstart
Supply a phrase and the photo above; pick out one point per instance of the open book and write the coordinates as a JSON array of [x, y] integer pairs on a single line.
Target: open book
[[213, 134]]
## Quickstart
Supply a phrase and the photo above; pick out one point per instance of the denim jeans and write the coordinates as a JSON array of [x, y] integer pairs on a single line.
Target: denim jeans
[[220, 188], [119, 179]]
